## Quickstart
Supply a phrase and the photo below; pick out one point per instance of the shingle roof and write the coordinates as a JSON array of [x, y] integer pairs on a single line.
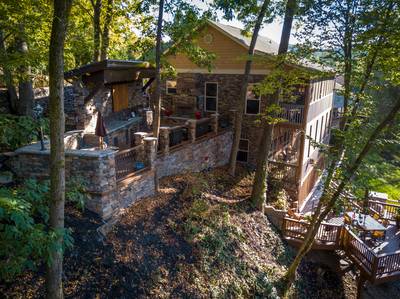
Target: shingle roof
[[263, 44]]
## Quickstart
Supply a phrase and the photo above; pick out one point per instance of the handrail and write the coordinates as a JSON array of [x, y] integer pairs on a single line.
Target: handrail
[[125, 161]]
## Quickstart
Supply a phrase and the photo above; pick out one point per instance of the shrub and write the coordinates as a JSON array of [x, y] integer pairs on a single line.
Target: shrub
[[25, 239], [17, 131]]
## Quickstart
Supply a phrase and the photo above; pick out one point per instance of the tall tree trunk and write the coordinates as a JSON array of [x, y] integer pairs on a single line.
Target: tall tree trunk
[[348, 62], [243, 91], [54, 288], [329, 201], [258, 194], [105, 37], [96, 29], [25, 86], [157, 87], [11, 89]]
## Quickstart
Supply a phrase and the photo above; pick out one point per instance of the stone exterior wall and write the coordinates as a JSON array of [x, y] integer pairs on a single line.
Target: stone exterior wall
[[95, 168], [107, 196], [197, 156], [190, 90]]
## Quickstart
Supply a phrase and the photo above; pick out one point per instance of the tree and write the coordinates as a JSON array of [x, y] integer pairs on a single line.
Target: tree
[[157, 87], [258, 195], [96, 29], [105, 36], [54, 287], [243, 90]]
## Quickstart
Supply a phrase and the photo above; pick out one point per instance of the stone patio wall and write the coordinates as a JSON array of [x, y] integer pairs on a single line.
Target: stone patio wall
[[106, 195], [197, 156]]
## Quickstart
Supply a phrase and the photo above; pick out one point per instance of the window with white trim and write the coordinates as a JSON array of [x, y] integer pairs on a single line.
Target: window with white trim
[[243, 152], [171, 87], [211, 96], [252, 101]]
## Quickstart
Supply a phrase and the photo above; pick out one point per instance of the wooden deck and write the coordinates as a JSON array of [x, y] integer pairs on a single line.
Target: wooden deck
[[377, 264]]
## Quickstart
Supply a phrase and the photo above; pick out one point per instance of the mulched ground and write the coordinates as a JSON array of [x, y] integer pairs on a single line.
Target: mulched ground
[[148, 255]]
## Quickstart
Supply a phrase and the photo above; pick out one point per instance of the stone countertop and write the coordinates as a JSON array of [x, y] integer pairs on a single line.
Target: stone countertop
[[115, 125], [34, 148]]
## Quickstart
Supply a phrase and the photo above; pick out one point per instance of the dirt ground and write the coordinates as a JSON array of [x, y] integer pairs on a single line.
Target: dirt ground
[[199, 238]]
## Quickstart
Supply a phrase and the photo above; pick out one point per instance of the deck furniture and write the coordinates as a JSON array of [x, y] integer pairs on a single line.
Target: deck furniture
[[365, 222]]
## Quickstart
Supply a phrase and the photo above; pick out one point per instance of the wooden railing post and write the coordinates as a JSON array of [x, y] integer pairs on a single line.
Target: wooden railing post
[[192, 129], [374, 269], [164, 139], [151, 150], [214, 122]]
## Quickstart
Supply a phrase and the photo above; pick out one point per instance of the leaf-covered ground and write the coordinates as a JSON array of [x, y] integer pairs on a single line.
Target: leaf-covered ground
[[198, 238]]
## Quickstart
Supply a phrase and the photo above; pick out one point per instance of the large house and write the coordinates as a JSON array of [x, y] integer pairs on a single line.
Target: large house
[[293, 158]]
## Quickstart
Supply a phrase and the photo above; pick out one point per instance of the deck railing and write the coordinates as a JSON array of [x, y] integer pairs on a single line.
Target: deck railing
[[292, 113], [375, 266], [385, 210], [203, 127], [359, 251], [297, 229], [178, 135], [283, 171], [128, 161]]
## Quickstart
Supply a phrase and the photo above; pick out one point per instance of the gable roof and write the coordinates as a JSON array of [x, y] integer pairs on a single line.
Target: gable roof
[[263, 44]]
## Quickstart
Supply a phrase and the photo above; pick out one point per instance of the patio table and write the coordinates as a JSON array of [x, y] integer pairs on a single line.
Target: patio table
[[366, 222]]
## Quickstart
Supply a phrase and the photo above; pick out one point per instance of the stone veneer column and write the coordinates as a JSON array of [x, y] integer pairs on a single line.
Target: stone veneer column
[[164, 139], [214, 122], [150, 144], [192, 129], [139, 137]]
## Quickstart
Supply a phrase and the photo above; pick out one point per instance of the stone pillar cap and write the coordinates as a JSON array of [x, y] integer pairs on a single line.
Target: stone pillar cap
[[150, 139], [140, 133]]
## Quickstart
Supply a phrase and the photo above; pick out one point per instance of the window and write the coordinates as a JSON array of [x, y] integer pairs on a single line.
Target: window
[[120, 97], [309, 142], [252, 101], [171, 87], [211, 96], [243, 151], [316, 132]]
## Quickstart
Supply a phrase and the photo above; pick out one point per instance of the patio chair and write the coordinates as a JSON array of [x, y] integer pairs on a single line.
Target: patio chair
[[378, 235]]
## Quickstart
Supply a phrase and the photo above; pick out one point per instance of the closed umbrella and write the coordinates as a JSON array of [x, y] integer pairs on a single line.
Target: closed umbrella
[[100, 129]]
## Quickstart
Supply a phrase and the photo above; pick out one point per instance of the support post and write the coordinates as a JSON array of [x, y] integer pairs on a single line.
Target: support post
[[192, 129], [164, 139], [214, 122], [151, 150], [139, 137]]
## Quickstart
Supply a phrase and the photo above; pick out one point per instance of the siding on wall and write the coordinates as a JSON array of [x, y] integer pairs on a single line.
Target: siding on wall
[[229, 54]]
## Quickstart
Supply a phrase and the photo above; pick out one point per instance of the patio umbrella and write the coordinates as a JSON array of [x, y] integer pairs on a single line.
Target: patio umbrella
[[100, 129]]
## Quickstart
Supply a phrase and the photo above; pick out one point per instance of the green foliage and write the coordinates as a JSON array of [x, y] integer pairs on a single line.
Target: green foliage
[[25, 240], [75, 191], [17, 131], [210, 228]]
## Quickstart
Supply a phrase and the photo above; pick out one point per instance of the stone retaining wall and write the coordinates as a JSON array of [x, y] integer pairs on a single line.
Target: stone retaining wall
[[275, 216], [107, 196], [202, 154]]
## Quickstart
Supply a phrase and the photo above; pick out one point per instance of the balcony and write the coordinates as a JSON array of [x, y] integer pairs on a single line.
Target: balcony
[[292, 113]]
